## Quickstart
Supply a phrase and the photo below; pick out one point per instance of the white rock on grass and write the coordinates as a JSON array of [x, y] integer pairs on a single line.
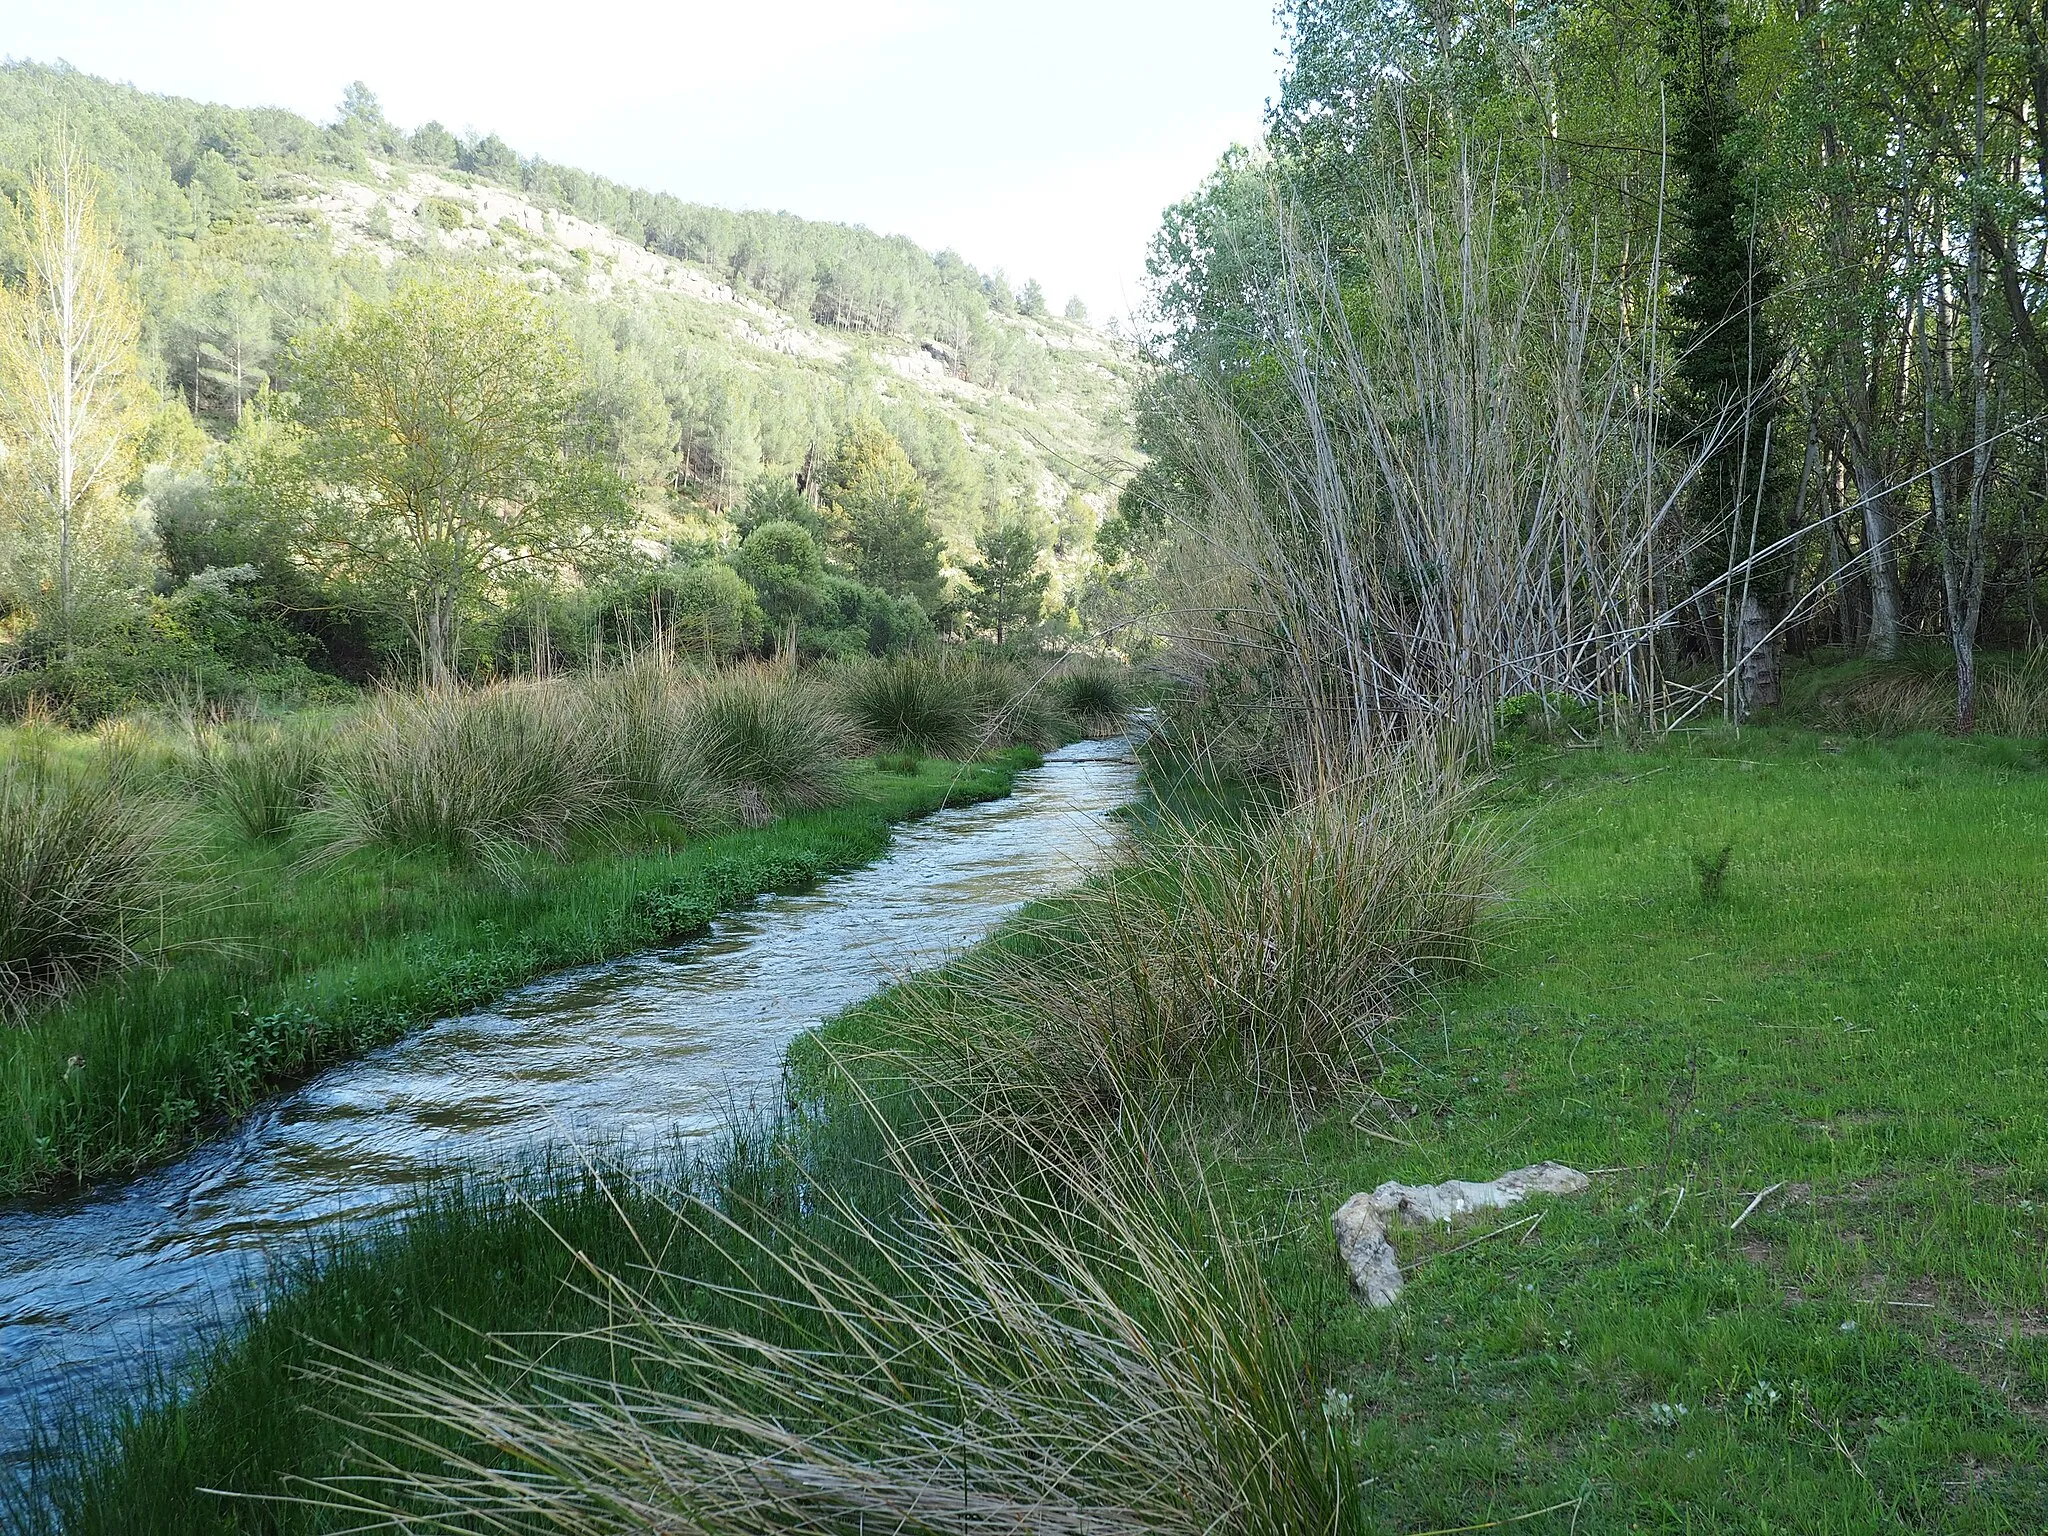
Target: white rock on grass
[[1361, 1222]]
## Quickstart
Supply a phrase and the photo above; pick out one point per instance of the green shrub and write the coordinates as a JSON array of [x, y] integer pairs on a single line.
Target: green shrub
[[83, 875], [261, 778], [475, 776], [769, 739]]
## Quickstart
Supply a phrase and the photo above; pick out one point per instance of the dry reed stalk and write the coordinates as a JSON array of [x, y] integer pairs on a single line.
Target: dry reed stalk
[[1455, 491]]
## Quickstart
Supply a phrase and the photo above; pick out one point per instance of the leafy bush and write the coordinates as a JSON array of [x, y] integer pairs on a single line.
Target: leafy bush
[[769, 739], [83, 874], [261, 778], [476, 776]]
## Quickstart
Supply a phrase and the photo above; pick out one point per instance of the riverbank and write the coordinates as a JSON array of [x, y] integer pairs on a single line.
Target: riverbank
[[1850, 1027], [277, 973]]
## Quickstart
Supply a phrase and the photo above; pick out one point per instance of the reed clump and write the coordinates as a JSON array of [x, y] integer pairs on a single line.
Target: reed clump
[[1264, 955], [1032, 1342], [640, 714], [1096, 695], [84, 871], [261, 778], [771, 740], [480, 777], [926, 702], [1919, 694]]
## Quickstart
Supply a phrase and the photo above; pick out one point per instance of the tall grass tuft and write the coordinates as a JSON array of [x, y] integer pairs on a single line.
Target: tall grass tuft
[[476, 776], [640, 712], [927, 702], [1017, 709], [83, 875], [1096, 695], [261, 778], [1918, 693], [1261, 956], [1034, 1342], [771, 740]]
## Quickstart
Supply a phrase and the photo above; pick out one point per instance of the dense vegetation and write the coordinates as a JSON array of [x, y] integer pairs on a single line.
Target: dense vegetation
[[1468, 496], [1776, 266], [258, 279]]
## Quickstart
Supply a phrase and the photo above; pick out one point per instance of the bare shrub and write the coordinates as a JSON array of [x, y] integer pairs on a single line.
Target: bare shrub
[[1448, 491]]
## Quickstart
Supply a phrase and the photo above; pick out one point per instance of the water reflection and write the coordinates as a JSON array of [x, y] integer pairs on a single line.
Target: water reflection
[[96, 1290]]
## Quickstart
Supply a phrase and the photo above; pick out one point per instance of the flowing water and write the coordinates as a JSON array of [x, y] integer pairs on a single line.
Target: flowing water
[[100, 1291]]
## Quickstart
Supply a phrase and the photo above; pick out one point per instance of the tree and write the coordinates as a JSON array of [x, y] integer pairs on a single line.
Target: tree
[[1729, 355], [1076, 312], [443, 449], [1005, 585], [70, 407], [781, 563], [1032, 299], [877, 514], [777, 499]]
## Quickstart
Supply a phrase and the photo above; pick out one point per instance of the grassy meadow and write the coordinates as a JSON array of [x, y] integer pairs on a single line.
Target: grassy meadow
[[1849, 1024]]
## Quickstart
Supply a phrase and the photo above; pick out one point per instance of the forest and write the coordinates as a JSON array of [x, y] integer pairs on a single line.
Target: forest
[[234, 275], [668, 870]]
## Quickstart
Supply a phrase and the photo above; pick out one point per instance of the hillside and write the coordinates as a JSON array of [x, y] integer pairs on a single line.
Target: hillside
[[724, 346]]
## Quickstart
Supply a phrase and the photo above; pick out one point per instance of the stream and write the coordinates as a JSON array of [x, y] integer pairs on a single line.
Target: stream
[[106, 1290]]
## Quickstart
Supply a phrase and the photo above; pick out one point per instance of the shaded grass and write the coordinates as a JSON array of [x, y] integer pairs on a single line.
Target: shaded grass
[[324, 967]]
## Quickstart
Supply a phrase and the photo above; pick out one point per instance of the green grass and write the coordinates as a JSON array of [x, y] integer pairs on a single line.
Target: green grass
[[1861, 1018], [276, 971]]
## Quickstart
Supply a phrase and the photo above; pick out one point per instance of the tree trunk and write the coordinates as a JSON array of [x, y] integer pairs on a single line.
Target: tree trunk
[[1756, 677]]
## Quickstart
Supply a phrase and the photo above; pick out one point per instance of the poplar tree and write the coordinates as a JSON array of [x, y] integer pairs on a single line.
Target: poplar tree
[[71, 398]]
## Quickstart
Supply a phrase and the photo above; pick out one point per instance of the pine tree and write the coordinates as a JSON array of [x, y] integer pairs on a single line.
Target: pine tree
[[1006, 588]]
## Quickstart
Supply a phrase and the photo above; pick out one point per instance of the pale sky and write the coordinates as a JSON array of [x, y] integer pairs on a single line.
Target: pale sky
[[1042, 138]]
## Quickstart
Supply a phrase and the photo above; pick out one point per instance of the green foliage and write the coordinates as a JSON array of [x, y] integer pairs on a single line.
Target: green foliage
[[479, 378], [777, 499], [1006, 588], [781, 562], [877, 513], [854, 620], [83, 865]]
